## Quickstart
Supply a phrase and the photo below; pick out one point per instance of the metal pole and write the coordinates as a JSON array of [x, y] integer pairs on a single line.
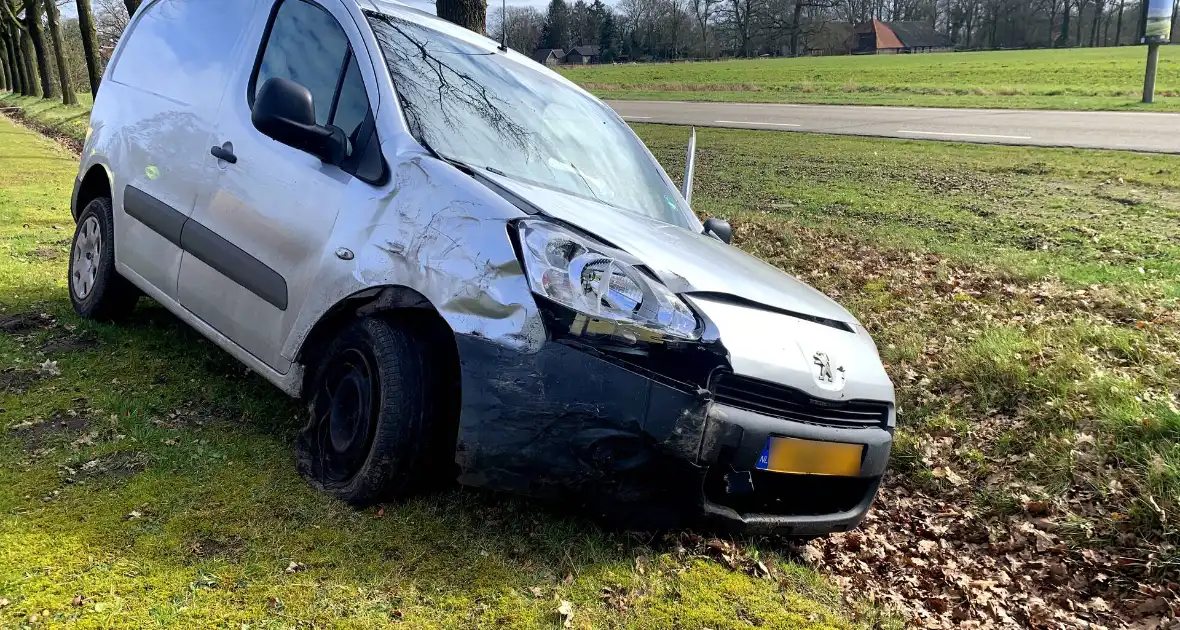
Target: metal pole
[[1153, 57]]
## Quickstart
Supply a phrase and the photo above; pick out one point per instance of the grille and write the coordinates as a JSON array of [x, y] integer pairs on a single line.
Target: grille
[[784, 402]]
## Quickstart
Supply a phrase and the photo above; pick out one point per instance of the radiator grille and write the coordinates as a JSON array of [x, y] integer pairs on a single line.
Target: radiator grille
[[780, 401]]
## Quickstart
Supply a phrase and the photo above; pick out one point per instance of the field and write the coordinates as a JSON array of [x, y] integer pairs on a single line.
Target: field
[[1026, 302], [1083, 79]]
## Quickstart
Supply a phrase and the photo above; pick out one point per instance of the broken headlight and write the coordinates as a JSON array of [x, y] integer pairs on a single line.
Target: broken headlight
[[602, 283]]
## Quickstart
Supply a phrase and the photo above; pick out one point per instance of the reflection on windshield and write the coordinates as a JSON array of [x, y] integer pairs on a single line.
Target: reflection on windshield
[[487, 111]]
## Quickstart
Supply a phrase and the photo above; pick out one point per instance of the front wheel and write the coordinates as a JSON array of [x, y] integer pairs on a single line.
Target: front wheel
[[97, 291], [372, 401]]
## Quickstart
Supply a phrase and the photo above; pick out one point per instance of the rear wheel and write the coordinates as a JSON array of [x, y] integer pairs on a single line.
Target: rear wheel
[[97, 291], [372, 405]]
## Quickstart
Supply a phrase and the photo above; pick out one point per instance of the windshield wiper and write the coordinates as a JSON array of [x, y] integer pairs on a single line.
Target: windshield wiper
[[578, 172]]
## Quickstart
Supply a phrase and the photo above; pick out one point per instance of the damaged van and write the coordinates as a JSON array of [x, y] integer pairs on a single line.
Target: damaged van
[[468, 267]]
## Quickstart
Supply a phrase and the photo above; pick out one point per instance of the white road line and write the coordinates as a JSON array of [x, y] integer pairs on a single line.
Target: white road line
[[748, 122], [636, 117], [963, 135]]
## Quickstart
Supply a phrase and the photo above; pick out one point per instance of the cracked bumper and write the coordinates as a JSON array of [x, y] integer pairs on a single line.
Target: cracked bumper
[[568, 424]]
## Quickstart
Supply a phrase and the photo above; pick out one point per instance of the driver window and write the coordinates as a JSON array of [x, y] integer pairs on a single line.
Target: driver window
[[306, 45]]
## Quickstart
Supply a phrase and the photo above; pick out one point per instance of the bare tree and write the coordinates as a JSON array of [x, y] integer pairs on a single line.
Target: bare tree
[[89, 44], [703, 11], [520, 27], [110, 20], [54, 18]]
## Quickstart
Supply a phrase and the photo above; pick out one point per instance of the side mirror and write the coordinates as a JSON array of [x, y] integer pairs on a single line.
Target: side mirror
[[285, 111], [719, 228]]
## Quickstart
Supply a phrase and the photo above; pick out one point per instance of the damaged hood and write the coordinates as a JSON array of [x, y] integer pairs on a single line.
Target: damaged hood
[[687, 262]]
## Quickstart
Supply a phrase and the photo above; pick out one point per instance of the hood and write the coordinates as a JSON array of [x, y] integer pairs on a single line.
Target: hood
[[686, 261]]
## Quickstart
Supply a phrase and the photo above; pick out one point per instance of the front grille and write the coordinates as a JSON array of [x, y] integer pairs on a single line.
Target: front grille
[[780, 401]]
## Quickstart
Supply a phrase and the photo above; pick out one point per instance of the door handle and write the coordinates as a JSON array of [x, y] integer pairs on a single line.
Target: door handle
[[225, 153]]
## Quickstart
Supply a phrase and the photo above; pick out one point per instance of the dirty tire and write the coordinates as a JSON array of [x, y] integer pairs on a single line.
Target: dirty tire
[[371, 403], [97, 291]]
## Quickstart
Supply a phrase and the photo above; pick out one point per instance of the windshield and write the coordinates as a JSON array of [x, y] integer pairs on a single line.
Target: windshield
[[490, 112]]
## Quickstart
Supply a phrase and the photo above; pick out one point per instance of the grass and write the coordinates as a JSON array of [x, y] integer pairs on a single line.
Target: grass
[[50, 116], [1026, 302], [146, 479], [1079, 79]]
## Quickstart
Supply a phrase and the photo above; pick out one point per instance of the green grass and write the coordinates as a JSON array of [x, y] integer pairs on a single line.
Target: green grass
[[1082, 79], [151, 483], [1026, 302], [50, 116]]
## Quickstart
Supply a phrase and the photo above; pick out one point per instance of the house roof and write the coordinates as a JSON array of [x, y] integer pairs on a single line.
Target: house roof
[[585, 51], [885, 37], [542, 54], [918, 35]]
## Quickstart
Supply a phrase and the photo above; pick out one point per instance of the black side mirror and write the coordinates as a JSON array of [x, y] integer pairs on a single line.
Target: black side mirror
[[285, 111], [719, 228]]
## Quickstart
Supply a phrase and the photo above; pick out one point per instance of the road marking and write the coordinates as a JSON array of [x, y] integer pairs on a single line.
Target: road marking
[[749, 122], [636, 117], [963, 135]]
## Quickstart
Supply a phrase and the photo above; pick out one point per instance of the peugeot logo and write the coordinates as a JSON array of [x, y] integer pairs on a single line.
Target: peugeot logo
[[826, 375]]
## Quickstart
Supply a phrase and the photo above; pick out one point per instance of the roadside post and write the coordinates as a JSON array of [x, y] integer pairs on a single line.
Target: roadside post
[[1156, 23]]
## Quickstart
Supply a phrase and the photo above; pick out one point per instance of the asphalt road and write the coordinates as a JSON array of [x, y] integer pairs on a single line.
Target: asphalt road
[[1092, 130]]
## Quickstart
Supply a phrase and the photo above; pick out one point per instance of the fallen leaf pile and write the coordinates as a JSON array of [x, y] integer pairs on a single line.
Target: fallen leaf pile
[[1013, 500]]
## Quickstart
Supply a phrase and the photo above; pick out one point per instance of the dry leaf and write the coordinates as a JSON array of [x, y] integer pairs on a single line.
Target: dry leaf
[[565, 611]]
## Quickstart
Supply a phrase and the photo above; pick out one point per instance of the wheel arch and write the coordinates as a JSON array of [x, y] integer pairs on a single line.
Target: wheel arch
[[392, 300], [96, 183]]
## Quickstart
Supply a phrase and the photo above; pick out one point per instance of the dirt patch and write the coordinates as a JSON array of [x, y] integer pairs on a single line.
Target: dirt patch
[[17, 381], [25, 322], [72, 343], [206, 546], [37, 435], [46, 253], [118, 465]]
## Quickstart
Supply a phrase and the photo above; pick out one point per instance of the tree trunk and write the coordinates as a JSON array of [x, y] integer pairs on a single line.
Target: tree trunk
[[26, 45], [89, 44], [132, 5], [7, 82], [1118, 28], [795, 18], [33, 26], [1094, 26], [470, 14], [63, 74], [18, 66], [1063, 38]]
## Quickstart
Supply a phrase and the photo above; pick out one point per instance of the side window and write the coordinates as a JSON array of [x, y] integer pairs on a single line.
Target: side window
[[306, 45]]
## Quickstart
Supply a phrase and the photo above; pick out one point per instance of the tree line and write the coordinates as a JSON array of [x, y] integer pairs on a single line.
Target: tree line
[[42, 55], [642, 30]]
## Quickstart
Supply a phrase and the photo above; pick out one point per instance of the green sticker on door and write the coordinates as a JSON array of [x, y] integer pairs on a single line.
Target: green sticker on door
[[151, 171]]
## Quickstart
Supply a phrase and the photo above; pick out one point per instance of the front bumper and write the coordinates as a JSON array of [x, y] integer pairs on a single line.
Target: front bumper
[[570, 424]]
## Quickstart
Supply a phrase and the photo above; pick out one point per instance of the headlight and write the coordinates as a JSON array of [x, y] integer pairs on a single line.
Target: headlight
[[595, 280]]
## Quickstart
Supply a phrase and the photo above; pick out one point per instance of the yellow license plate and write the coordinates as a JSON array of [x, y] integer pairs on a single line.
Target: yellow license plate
[[810, 457]]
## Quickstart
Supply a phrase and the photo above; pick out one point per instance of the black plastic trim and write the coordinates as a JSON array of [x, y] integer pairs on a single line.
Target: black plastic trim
[[162, 218], [234, 263]]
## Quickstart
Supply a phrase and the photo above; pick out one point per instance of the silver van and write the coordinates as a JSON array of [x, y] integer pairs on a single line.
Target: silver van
[[468, 267]]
